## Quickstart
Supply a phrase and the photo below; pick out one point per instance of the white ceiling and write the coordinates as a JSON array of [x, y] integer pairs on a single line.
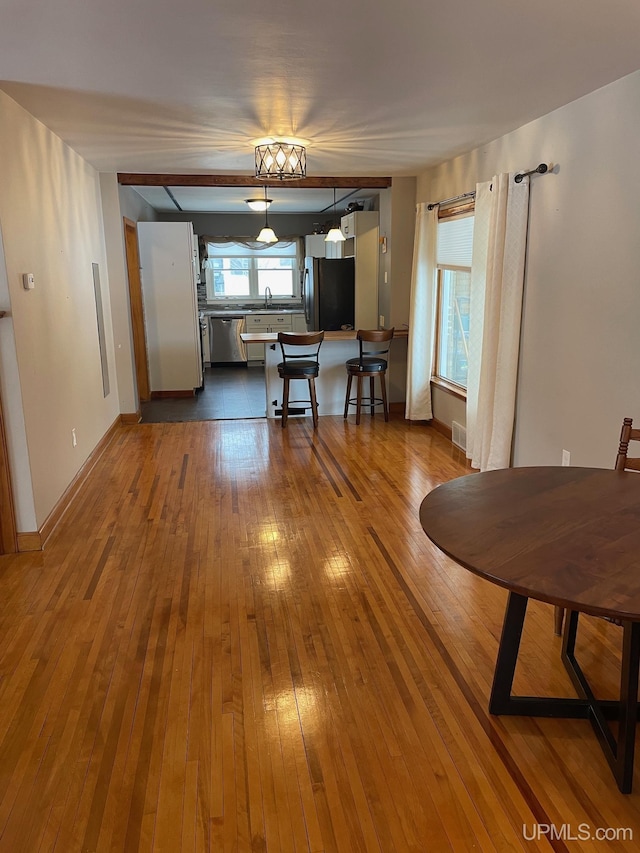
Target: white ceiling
[[373, 88], [232, 199]]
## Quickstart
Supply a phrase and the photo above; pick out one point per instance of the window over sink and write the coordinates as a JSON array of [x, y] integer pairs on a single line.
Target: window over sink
[[238, 271]]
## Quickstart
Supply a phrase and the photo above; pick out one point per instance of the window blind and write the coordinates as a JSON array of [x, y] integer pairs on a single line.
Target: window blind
[[455, 242]]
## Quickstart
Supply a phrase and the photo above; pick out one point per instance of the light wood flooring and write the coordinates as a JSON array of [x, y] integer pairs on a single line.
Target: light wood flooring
[[239, 639]]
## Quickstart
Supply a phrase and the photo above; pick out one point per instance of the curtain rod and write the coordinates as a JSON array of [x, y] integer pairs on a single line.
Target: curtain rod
[[541, 169], [447, 200]]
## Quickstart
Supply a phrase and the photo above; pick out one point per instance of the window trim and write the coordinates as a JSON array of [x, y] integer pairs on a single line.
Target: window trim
[[449, 387], [464, 209], [437, 378]]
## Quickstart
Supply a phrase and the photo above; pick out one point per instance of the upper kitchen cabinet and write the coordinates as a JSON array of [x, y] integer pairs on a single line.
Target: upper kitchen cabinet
[[315, 246], [358, 223], [168, 265], [361, 231]]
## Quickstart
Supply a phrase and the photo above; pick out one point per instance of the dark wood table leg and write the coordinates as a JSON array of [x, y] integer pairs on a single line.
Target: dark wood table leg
[[619, 751], [628, 706], [500, 700]]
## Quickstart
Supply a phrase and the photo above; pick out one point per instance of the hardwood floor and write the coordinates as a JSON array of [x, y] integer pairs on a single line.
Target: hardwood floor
[[239, 638]]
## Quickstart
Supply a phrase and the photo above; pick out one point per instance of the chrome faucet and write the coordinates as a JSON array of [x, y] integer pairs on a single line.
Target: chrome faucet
[[267, 296]]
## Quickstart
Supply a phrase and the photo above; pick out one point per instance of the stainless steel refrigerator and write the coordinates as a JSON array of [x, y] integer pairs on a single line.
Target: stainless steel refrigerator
[[329, 293]]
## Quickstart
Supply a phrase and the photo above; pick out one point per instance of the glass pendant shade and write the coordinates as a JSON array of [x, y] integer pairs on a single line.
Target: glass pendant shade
[[335, 234], [281, 161], [258, 204], [267, 235]]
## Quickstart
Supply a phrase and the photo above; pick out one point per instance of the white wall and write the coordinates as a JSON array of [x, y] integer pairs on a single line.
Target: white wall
[[117, 203], [580, 350], [51, 222]]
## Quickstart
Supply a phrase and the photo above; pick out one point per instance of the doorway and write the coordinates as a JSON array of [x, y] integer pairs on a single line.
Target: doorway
[[228, 393], [136, 304]]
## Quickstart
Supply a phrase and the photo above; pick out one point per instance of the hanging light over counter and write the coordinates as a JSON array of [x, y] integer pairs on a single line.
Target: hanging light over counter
[[335, 234], [267, 235], [281, 161]]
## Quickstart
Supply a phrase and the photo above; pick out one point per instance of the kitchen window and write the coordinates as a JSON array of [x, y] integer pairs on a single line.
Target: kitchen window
[[238, 271], [453, 262]]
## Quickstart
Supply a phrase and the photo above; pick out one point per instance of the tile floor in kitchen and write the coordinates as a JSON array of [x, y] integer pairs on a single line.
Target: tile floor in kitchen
[[229, 393]]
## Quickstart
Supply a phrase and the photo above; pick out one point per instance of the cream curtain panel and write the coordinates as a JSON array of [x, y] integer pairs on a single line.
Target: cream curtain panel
[[422, 316], [497, 280]]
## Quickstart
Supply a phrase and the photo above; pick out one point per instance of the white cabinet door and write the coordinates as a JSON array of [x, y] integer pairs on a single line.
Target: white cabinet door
[[256, 323], [356, 223], [298, 323], [265, 323], [317, 247], [280, 322], [314, 246]]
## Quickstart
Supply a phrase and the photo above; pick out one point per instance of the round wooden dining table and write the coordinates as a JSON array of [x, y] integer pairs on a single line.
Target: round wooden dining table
[[566, 536]]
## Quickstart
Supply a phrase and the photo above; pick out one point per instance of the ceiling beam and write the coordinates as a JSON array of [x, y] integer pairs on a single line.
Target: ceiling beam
[[320, 183]]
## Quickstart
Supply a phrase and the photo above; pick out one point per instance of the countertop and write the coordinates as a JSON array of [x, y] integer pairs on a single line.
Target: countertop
[[237, 311], [271, 337]]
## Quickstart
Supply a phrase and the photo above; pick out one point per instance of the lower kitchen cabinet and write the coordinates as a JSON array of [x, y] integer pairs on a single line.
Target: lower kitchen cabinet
[[271, 323]]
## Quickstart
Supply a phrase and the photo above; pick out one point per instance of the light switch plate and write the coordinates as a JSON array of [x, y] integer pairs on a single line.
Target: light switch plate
[[28, 281]]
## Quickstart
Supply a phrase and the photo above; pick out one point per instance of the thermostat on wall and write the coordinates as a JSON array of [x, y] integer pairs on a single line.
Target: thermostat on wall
[[28, 280]]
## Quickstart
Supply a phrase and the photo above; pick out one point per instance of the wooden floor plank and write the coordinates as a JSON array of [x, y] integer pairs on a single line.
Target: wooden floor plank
[[239, 639]]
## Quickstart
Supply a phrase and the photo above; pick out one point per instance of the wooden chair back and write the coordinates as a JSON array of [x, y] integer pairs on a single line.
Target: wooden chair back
[[300, 345], [367, 337], [624, 462]]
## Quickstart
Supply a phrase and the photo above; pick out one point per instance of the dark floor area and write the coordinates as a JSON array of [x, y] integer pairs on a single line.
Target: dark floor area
[[229, 393]]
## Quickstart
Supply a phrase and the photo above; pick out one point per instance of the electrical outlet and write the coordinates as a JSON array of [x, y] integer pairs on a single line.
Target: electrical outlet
[[566, 458], [381, 320], [74, 437]]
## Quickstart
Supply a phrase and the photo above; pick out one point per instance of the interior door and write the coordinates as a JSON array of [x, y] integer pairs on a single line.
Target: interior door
[[137, 310]]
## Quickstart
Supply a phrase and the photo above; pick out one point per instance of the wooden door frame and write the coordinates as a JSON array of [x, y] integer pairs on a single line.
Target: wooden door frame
[[8, 527], [136, 309]]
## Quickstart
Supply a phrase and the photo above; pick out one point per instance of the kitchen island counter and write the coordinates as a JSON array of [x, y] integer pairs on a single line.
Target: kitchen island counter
[[331, 383], [350, 335]]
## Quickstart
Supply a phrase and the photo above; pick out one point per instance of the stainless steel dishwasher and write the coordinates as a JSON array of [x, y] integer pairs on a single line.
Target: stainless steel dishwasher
[[224, 340]]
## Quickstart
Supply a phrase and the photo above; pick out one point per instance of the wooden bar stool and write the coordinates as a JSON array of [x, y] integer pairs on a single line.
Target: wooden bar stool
[[374, 345], [299, 361]]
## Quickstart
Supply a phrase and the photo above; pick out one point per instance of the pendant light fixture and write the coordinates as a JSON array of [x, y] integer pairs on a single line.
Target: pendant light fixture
[[335, 234], [258, 204], [267, 235]]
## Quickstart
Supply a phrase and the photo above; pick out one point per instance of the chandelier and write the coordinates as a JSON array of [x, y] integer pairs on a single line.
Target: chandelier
[[281, 161]]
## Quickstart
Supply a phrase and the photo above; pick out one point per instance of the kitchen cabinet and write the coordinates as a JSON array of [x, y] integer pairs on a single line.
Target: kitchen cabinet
[[359, 222], [362, 244], [298, 323], [271, 323], [315, 246]]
